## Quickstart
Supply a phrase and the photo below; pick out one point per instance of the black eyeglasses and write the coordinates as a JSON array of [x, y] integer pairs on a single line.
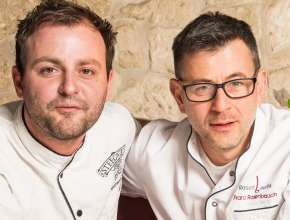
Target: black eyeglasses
[[235, 89]]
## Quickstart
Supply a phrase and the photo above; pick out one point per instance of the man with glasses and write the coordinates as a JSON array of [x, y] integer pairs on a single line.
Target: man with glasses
[[229, 159]]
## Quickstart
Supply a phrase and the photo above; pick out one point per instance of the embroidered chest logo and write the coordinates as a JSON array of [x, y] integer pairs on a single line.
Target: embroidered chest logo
[[113, 164], [255, 191]]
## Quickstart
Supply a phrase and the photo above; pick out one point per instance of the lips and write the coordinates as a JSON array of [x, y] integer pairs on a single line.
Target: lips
[[68, 105], [222, 126], [67, 108]]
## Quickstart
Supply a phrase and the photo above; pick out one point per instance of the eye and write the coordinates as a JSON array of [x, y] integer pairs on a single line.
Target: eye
[[46, 71], [236, 83], [87, 71], [201, 88]]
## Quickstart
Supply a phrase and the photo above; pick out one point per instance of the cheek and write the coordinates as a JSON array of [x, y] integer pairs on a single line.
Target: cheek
[[247, 111], [197, 113], [42, 92]]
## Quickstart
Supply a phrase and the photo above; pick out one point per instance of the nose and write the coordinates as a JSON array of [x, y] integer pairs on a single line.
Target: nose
[[221, 101], [68, 85]]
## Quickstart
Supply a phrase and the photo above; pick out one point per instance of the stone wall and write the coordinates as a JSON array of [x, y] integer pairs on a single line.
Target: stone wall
[[146, 28]]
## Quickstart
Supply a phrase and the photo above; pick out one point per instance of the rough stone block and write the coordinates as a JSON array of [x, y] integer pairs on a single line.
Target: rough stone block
[[176, 13], [149, 97], [132, 46], [101, 7], [160, 43], [279, 86], [139, 11], [277, 36]]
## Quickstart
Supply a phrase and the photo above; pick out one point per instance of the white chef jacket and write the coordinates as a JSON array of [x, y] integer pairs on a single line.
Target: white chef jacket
[[38, 184], [164, 165]]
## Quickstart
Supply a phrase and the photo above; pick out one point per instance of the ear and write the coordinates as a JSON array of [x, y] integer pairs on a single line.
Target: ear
[[17, 80], [109, 84], [177, 92], [262, 85]]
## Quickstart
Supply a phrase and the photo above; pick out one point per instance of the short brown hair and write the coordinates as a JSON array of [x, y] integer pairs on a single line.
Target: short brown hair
[[64, 13], [210, 31]]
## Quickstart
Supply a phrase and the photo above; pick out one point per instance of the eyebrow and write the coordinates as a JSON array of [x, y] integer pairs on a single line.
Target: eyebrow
[[46, 59], [237, 75], [231, 76], [90, 61], [59, 62]]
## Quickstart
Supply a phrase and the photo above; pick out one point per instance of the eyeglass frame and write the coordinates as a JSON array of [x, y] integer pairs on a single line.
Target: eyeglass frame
[[220, 85]]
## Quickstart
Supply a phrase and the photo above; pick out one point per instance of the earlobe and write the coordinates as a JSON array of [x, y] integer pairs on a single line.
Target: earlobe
[[176, 91], [17, 80]]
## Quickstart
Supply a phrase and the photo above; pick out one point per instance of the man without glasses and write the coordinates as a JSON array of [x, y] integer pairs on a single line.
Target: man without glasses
[[62, 148], [229, 159]]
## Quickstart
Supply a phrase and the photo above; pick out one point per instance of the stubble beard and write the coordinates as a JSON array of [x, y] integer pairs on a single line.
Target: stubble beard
[[63, 126], [225, 144]]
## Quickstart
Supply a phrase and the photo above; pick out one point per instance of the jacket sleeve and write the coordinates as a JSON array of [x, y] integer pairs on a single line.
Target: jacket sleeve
[[284, 213], [135, 166], [132, 180], [152, 138]]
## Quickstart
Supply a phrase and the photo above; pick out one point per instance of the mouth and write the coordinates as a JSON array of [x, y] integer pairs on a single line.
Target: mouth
[[222, 126], [67, 108]]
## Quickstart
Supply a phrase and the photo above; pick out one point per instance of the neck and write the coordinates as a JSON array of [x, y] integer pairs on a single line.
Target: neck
[[221, 156], [62, 147]]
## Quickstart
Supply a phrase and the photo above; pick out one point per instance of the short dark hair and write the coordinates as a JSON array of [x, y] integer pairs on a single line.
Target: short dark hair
[[208, 32], [61, 12]]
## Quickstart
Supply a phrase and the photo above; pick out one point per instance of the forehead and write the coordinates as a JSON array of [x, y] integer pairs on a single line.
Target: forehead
[[57, 29], [66, 42], [234, 57]]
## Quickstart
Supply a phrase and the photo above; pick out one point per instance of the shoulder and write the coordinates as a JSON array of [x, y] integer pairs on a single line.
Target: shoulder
[[160, 129], [114, 108], [114, 112], [8, 135], [273, 116], [164, 128], [115, 124], [159, 133], [272, 111], [8, 116], [114, 117], [272, 128], [8, 111], [158, 143]]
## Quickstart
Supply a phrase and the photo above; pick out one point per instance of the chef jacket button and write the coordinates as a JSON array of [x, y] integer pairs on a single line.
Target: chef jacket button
[[232, 173], [214, 204], [79, 213]]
